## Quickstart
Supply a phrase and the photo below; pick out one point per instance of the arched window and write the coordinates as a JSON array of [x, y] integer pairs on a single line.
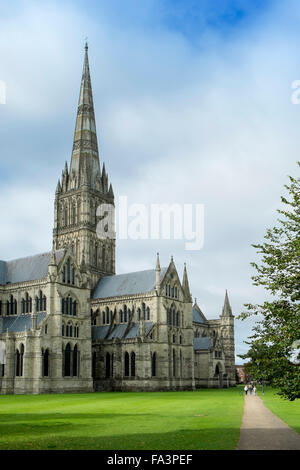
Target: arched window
[[75, 361], [139, 313], [67, 361], [68, 330], [177, 319], [153, 365], [132, 360], [125, 313], [17, 363], [21, 359], [180, 364], [63, 329], [121, 316], [11, 306], [107, 315], [144, 311], [174, 363], [107, 365], [45, 363], [148, 313], [103, 318], [126, 364]]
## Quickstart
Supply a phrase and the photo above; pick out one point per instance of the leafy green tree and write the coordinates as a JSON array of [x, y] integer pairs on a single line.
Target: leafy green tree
[[275, 333]]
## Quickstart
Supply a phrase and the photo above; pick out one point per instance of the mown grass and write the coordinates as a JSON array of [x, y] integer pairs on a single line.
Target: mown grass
[[205, 419], [288, 411]]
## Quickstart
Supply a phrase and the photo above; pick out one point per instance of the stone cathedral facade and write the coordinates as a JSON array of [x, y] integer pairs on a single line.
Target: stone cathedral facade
[[69, 323]]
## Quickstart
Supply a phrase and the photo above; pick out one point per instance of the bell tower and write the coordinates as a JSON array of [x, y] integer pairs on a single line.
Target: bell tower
[[82, 188]]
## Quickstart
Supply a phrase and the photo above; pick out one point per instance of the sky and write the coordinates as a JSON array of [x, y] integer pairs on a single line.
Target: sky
[[193, 106]]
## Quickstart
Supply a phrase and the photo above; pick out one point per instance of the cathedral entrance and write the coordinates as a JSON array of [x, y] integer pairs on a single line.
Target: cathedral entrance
[[219, 376]]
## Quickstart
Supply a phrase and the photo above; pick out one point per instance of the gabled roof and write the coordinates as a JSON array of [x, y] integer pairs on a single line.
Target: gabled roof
[[198, 316], [17, 324], [127, 284], [203, 343], [30, 268]]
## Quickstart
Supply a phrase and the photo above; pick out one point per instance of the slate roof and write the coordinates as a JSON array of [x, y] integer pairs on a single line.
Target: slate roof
[[30, 268], [17, 324], [201, 344], [127, 284], [100, 332], [198, 316]]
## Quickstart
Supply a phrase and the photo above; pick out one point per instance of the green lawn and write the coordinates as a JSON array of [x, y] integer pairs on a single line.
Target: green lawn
[[205, 419], [288, 411]]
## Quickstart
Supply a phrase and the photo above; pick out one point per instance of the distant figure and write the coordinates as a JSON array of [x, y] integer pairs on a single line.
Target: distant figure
[[250, 389], [246, 389], [254, 390]]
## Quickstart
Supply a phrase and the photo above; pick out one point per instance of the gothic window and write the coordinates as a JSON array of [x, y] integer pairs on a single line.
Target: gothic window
[[41, 302], [125, 313], [11, 306], [139, 313], [73, 276], [121, 316], [144, 311], [132, 360], [180, 364], [172, 291], [174, 339], [75, 361], [107, 315], [66, 215], [173, 317], [174, 363], [17, 363], [68, 306], [153, 365], [166, 289], [177, 319], [63, 329], [148, 313], [103, 318], [74, 214], [67, 361], [64, 274], [176, 292], [46, 329], [126, 364], [45, 356], [26, 304], [180, 339]]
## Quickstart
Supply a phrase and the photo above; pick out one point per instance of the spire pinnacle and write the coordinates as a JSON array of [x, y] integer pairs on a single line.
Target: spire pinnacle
[[227, 312], [185, 285], [85, 146]]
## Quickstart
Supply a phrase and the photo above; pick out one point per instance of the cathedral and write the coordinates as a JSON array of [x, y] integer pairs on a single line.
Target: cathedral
[[69, 323]]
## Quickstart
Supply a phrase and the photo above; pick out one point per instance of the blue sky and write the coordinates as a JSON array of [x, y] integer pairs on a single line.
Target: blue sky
[[193, 105]]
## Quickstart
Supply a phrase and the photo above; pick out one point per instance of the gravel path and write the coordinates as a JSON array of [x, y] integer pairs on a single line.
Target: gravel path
[[261, 430]]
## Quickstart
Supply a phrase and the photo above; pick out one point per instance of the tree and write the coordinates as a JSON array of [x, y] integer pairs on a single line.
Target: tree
[[278, 329]]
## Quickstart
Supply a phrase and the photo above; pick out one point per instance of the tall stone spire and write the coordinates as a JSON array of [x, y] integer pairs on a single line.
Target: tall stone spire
[[185, 285], [85, 164], [227, 312]]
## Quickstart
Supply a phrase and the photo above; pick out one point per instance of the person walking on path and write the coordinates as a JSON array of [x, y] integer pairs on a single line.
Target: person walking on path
[[254, 390], [246, 389], [250, 389], [262, 430]]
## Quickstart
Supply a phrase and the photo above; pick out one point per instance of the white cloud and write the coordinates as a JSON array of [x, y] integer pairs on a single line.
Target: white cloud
[[177, 123]]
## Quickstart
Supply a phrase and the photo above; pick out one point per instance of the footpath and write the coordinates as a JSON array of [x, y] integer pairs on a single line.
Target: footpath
[[261, 430]]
